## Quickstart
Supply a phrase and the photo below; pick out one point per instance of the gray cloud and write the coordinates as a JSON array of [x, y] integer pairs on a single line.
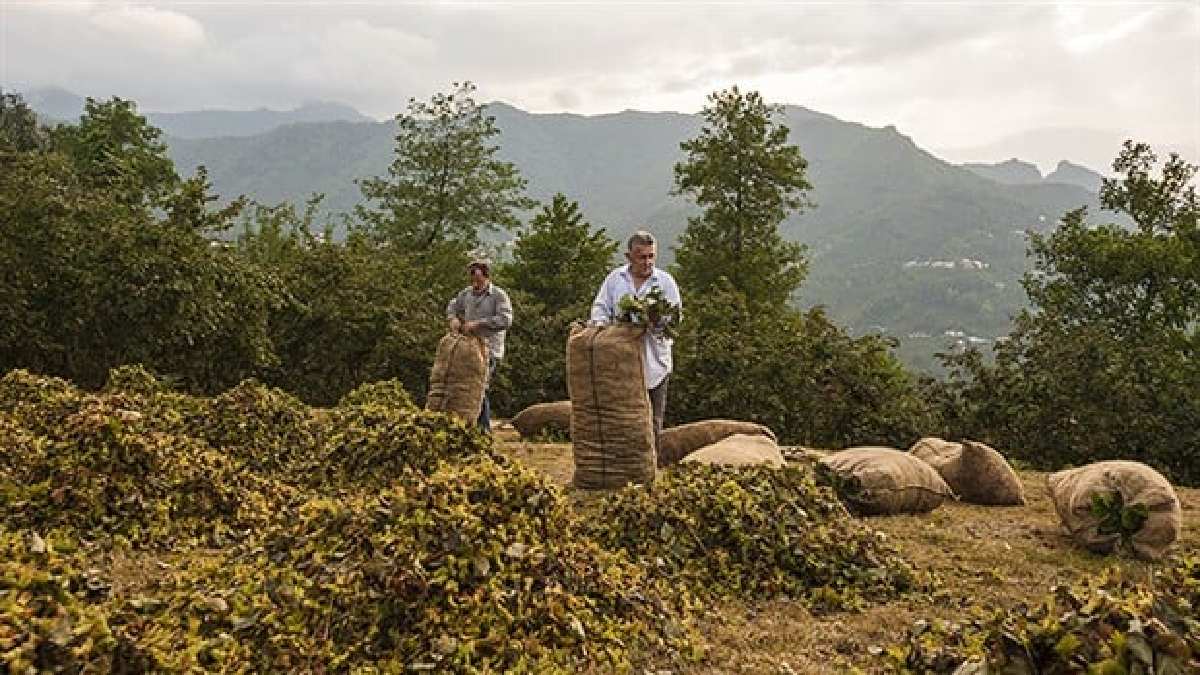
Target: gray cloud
[[953, 75]]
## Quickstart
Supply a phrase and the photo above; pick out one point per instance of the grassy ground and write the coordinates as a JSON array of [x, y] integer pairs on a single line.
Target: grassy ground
[[982, 558]]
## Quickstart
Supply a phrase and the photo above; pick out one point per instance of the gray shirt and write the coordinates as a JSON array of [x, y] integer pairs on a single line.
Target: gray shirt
[[492, 307]]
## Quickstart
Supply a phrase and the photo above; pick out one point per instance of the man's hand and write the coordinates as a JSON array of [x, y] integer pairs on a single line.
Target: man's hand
[[455, 324], [472, 326]]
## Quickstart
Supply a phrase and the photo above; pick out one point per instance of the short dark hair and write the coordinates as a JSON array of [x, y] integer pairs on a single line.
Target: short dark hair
[[480, 265], [640, 238]]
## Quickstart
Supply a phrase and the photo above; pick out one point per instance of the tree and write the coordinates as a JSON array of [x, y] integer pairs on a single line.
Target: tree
[[116, 150], [558, 259], [104, 261], [558, 263], [796, 372], [445, 182], [747, 179], [1105, 366]]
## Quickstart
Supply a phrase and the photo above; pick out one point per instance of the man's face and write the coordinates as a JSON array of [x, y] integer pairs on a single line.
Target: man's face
[[641, 259], [479, 280]]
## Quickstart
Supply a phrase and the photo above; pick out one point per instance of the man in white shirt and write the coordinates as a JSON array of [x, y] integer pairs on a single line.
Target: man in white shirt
[[637, 279]]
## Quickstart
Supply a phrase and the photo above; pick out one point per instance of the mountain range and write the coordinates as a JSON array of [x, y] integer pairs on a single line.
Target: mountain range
[[900, 241]]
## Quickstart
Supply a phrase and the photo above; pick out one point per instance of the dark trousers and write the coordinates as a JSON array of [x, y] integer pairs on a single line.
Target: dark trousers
[[485, 411], [658, 406]]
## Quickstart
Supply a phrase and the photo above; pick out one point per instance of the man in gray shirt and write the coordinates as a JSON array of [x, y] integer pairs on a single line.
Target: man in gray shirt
[[483, 309]]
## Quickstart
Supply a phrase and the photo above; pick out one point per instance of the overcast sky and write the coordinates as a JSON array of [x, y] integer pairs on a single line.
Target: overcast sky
[[962, 78]]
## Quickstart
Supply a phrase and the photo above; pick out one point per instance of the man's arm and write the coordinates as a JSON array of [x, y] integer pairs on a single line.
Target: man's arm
[[603, 311], [455, 312], [503, 317]]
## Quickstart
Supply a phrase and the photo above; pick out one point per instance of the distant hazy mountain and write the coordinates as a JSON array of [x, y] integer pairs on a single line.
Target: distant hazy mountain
[[61, 105], [1073, 174], [1094, 148], [1009, 172], [1017, 172], [901, 241]]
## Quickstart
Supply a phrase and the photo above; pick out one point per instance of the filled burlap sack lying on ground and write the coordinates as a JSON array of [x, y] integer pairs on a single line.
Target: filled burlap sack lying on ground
[[739, 450], [543, 418], [459, 376], [678, 442], [975, 472], [885, 481], [612, 430], [1139, 488]]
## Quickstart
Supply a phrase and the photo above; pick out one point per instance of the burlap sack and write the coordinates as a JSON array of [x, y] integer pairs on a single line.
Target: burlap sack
[[612, 430], [890, 481], [678, 442], [739, 450], [459, 375], [975, 472], [541, 418], [1072, 491]]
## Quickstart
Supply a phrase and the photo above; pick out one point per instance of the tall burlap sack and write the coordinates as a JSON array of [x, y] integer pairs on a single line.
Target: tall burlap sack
[[612, 429], [891, 480], [541, 418], [739, 450], [459, 375], [678, 442], [1072, 491], [975, 472]]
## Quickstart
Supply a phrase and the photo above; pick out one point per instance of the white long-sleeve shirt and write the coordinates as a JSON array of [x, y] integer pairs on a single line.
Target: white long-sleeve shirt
[[657, 363]]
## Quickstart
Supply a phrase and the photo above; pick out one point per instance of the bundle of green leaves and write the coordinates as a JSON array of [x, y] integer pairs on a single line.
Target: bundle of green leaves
[[652, 309], [751, 531], [1108, 623]]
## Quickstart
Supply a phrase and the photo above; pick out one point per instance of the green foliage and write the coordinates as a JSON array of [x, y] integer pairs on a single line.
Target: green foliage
[[797, 373], [1115, 328], [267, 428], [355, 311], [558, 263], [558, 259], [1107, 623], [373, 444], [751, 532], [747, 179], [445, 181], [649, 310], [534, 369], [1115, 517], [105, 262], [385, 393]]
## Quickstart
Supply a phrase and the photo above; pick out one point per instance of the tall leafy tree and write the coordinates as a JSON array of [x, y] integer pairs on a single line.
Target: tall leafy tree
[[1105, 366], [445, 183], [559, 259], [116, 150], [745, 176], [105, 260], [558, 263]]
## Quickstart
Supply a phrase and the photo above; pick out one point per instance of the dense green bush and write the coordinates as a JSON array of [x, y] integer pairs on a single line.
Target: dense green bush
[[798, 373]]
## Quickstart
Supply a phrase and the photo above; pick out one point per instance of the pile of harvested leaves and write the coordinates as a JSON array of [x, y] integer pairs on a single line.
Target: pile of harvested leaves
[[268, 538], [1107, 623], [372, 445], [387, 393], [757, 532]]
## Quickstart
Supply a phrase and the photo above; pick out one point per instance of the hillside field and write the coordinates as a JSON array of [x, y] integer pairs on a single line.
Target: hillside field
[[976, 559]]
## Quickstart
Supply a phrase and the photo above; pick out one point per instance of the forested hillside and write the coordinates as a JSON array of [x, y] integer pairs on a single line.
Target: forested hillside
[[882, 202]]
